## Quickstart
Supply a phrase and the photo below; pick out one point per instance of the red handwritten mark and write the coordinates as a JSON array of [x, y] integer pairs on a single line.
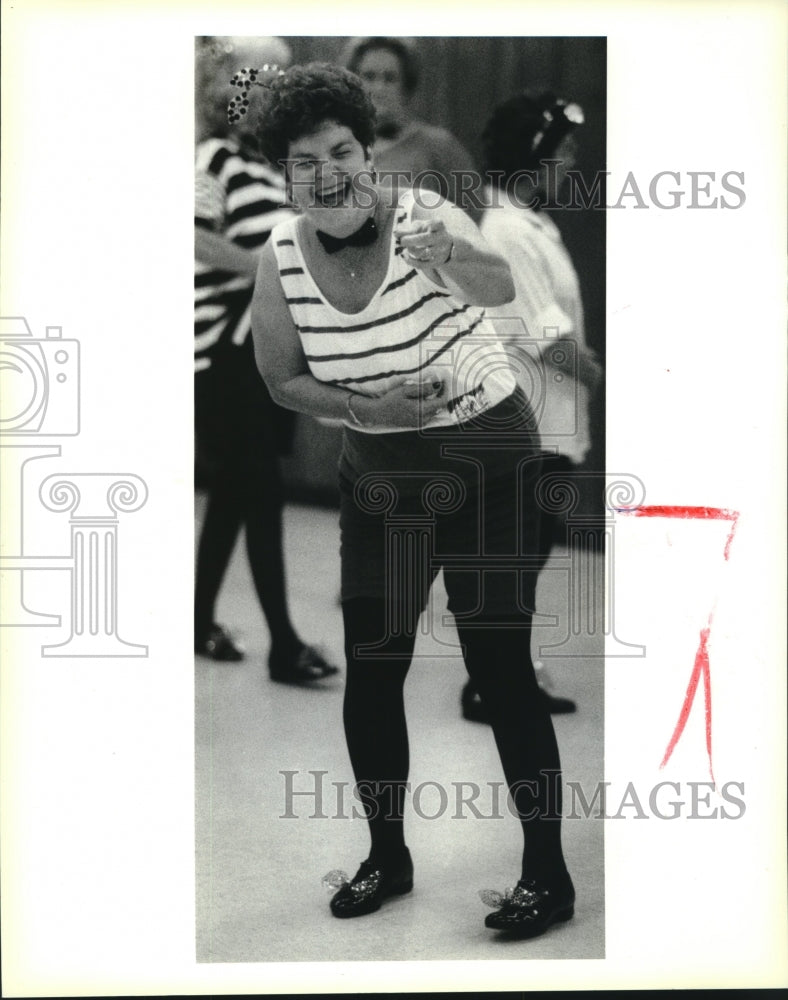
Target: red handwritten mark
[[702, 667]]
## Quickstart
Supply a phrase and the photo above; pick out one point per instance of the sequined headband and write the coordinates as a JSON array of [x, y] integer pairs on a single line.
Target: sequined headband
[[560, 113], [245, 79]]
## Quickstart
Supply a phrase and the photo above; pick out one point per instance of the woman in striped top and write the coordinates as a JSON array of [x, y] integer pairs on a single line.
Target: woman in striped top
[[372, 312]]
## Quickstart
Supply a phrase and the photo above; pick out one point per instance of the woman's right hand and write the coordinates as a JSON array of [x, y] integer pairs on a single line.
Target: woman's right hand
[[407, 404]]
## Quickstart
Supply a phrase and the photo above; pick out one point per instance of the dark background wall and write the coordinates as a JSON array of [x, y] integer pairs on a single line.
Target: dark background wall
[[462, 79]]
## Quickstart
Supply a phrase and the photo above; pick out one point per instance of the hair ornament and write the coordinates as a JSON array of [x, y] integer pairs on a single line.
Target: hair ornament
[[245, 79], [566, 113]]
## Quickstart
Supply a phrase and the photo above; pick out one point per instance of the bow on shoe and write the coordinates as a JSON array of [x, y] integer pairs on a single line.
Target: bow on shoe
[[361, 888], [371, 886], [335, 879], [520, 895], [528, 909]]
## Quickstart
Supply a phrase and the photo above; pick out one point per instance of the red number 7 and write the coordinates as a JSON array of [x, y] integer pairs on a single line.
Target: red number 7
[[701, 667]]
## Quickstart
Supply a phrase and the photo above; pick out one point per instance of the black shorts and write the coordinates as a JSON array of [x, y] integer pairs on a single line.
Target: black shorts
[[471, 512]]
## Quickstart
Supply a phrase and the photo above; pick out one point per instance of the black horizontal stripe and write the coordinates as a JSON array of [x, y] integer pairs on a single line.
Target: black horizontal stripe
[[219, 327], [218, 298], [251, 241], [238, 181], [406, 371], [381, 321], [401, 281], [202, 325], [242, 178], [388, 348], [285, 271], [304, 300], [218, 160], [234, 304], [252, 210], [208, 278], [285, 243], [203, 223]]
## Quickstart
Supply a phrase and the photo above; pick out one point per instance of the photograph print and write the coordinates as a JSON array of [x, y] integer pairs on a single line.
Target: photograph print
[[400, 536]]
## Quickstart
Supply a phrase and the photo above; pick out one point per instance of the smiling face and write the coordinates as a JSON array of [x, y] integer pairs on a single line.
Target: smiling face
[[381, 71], [329, 176]]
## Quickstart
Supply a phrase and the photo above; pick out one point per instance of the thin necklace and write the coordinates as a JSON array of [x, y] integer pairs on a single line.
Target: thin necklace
[[352, 270]]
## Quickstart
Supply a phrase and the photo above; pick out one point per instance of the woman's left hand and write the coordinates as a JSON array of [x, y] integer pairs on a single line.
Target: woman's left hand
[[427, 243]]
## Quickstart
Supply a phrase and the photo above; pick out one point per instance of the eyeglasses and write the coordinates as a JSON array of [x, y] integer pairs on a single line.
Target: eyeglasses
[[245, 79]]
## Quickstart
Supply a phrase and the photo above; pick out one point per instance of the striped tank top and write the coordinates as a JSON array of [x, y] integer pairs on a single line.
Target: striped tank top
[[243, 201], [412, 328]]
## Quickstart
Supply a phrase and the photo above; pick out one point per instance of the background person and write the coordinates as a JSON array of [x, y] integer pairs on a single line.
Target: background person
[[390, 70], [240, 432], [520, 135]]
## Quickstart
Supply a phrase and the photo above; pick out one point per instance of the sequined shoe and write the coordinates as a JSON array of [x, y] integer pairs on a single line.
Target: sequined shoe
[[369, 888], [527, 910], [218, 644], [305, 666]]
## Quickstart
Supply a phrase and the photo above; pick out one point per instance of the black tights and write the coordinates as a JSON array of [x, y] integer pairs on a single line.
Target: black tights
[[248, 494], [237, 429], [498, 661]]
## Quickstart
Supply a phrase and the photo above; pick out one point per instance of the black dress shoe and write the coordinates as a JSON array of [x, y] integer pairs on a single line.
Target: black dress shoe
[[372, 884], [219, 645], [302, 667], [473, 708], [527, 910]]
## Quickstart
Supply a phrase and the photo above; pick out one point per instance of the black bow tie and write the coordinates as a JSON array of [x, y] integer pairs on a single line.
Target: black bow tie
[[362, 237]]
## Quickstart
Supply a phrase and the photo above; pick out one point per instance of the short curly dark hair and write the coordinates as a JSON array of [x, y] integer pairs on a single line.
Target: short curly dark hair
[[518, 136], [304, 97]]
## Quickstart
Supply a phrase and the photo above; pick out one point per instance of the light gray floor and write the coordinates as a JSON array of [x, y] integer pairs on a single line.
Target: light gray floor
[[259, 892]]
